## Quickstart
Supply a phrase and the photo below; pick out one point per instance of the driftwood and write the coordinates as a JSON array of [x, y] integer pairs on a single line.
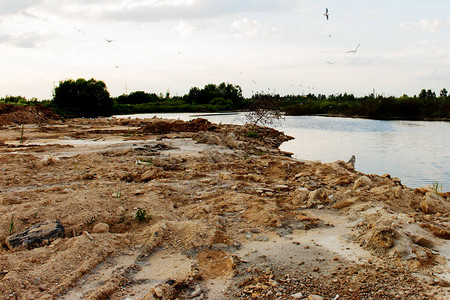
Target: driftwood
[[37, 235]]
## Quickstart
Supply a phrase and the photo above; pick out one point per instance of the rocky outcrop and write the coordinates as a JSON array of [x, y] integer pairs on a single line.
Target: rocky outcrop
[[37, 235]]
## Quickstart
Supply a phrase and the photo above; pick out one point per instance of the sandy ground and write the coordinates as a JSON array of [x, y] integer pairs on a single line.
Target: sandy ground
[[226, 217]]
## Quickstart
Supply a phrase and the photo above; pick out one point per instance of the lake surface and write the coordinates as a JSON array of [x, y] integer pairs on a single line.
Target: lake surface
[[418, 152]]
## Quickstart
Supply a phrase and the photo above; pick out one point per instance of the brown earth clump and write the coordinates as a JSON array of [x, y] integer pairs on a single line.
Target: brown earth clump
[[36, 114]]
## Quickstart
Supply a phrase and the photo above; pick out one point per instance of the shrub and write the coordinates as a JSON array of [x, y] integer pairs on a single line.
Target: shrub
[[141, 215]]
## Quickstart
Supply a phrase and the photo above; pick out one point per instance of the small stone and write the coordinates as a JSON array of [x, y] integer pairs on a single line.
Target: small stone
[[197, 291], [422, 241], [158, 292], [362, 181], [48, 160], [261, 238], [315, 297], [121, 210], [100, 228], [432, 203], [273, 282], [297, 295]]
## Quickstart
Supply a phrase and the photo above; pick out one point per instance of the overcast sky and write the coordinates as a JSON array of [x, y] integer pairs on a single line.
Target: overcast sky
[[281, 46]]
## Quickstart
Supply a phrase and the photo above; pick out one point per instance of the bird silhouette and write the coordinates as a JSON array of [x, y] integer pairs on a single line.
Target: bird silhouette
[[79, 30], [326, 14], [354, 51], [109, 41]]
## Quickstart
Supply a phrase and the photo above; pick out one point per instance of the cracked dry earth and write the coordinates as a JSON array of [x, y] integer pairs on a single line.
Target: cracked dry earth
[[223, 216]]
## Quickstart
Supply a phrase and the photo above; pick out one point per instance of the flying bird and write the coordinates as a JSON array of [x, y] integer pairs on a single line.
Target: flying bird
[[326, 13], [79, 30], [354, 51], [254, 81], [329, 62], [109, 41]]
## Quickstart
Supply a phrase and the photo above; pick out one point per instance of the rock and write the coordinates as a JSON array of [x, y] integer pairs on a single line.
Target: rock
[[297, 295], [381, 237], [261, 238], [197, 292], [315, 197], [380, 190], [351, 162], [361, 182], [432, 203], [121, 210], [315, 297], [37, 235], [398, 192], [299, 196], [422, 241], [396, 180], [158, 292], [48, 160], [100, 228], [150, 174]]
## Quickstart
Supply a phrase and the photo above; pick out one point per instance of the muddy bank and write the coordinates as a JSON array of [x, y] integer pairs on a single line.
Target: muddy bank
[[166, 209]]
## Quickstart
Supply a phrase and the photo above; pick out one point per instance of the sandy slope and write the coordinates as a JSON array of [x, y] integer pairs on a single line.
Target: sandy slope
[[230, 218]]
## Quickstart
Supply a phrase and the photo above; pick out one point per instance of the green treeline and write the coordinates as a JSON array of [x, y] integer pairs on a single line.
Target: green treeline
[[211, 98], [425, 106], [90, 98]]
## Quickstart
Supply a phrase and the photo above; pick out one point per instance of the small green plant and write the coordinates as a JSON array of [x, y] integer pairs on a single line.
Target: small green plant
[[251, 134], [141, 215], [11, 225], [436, 187], [119, 193]]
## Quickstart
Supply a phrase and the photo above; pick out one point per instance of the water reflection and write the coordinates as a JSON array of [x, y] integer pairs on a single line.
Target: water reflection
[[416, 152]]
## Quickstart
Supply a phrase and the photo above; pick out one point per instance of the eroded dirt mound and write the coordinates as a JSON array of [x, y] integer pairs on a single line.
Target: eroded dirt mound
[[160, 126], [13, 114]]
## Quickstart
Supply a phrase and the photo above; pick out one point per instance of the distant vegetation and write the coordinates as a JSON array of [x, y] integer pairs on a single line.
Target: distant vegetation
[[90, 98], [425, 106]]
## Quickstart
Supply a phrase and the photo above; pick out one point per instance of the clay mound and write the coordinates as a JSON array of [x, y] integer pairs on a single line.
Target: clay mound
[[13, 114], [166, 126]]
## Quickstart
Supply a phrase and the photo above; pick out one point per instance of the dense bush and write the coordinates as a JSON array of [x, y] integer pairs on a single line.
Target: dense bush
[[82, 98], [138, 97], [231, 95]]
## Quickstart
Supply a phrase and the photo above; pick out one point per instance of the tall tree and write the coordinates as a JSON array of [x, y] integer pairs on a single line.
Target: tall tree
[[82, 98]]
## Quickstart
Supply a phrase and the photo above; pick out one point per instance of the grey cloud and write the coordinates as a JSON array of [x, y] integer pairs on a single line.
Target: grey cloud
[[154, 11], [22, 40], [15, 6]]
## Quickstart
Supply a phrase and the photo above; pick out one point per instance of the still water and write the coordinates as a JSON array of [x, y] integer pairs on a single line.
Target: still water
[[417, 152]]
